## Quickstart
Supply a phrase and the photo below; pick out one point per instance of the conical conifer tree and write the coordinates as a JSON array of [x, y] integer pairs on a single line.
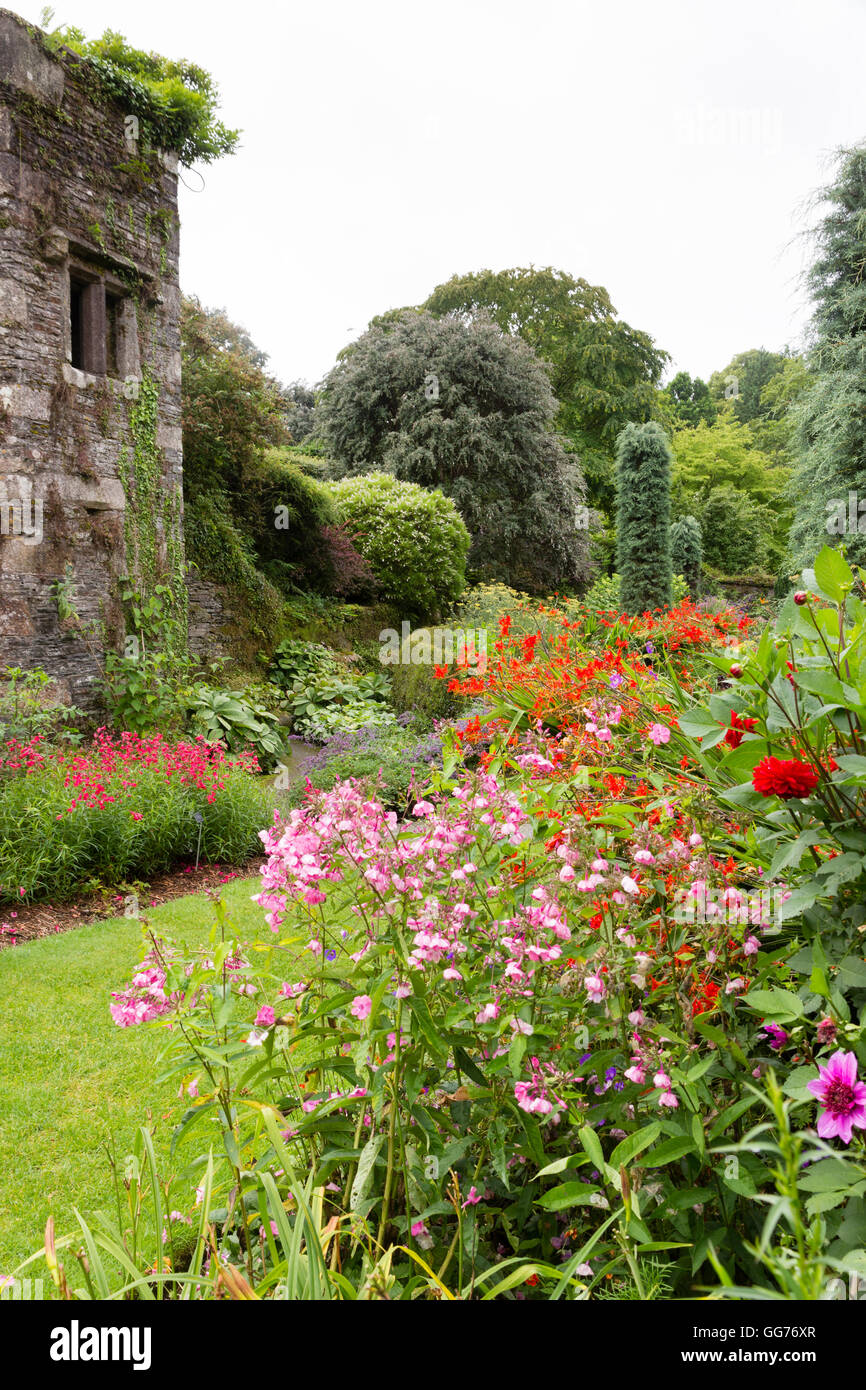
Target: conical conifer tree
[[687, 552], [829, 481], [643, 482]]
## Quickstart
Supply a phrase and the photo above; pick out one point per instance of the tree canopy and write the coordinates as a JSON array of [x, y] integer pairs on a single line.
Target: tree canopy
[[603, 372], [458, 404]]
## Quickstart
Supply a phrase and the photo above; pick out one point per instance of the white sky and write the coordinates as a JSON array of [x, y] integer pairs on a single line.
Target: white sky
[[662, 148]]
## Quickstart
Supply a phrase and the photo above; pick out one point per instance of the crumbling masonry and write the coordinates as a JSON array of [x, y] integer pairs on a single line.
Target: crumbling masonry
[[90, 410]]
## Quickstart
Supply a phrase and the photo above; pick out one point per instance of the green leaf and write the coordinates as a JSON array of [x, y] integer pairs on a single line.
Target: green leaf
[[698, 723], [422, 1014], [796, 1083], [833, 574], [774, 1003], [852, 972], [364, 1172], [591, 1145], [570, 1194], [830, 1175], [669, 1151], [629, 1148], [745, 758]]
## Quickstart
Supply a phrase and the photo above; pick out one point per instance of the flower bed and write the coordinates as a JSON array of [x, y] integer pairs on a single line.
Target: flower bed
[[589, 1014], [127, 806]]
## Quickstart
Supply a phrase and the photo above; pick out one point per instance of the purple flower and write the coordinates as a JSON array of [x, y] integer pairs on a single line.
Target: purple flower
[[778, 1037], [841, 1095], [616, 680]]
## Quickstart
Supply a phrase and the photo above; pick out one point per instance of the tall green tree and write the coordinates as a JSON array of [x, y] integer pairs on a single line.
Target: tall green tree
[[643, 486], [829, 483], [603, 372], [725, 455], [457, 404], [743, 380], [689, 401], [687, 552], [734, 531]]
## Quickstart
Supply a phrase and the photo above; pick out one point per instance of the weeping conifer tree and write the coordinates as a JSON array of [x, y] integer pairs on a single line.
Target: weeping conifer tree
[[829, 481], [643, 483], [687, 552]]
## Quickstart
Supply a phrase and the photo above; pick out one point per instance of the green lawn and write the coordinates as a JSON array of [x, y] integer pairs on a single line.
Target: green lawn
[[70, 1080]]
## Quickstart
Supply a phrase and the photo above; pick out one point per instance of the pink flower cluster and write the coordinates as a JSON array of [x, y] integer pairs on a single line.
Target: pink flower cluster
[[145, 999], [428, 877]]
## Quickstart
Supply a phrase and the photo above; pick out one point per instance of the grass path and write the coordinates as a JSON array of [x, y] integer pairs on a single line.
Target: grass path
[[70, 1080]]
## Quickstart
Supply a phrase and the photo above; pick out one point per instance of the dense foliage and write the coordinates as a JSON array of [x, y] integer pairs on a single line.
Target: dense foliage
[[175, 101], [412, 538], [579, 1016], [643, 486], [831, 414], [603, 372], [467, 409], [687, 552]]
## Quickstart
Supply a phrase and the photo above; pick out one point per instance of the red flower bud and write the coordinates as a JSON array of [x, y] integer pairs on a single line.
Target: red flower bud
[[736, 671], [801, 597]]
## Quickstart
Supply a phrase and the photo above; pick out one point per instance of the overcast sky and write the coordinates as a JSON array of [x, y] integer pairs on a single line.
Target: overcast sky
[[665, 150]]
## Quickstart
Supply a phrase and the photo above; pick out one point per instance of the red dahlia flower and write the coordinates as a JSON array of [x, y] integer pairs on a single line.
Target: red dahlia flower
[[785, 778]]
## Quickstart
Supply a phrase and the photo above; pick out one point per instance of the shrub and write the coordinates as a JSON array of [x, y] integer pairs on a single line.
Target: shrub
[[416, 688], [296, 660], [226, 717], [643, 473], [413, 539], [125, 807], [329, 704], [733, 531], [687, 553], [605, 593], [351, 575], [386, 760], [30, 706], [287, 512]]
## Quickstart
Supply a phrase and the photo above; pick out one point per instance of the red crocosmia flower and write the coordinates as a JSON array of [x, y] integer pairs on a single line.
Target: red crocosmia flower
[[784, 777], [705, 999], [739, 725]]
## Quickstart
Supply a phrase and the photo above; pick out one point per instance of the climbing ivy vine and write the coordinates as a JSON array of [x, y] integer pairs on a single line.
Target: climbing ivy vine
[[147, 503]]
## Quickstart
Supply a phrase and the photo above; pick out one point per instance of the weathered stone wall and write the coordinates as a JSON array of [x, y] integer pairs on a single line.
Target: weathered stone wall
[[93, 458], [214, 619]]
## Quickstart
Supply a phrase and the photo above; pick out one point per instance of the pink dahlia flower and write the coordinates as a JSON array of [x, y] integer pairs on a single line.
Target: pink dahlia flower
[[841, 1095]]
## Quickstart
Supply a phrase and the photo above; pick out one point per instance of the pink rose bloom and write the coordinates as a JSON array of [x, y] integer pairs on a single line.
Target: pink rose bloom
[[361, 1006]]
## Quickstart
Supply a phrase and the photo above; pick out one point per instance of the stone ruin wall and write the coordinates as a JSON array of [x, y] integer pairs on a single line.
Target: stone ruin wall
[[90, 460]]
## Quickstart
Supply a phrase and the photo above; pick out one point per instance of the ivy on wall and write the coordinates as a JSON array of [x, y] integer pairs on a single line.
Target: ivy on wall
[[147, 505]]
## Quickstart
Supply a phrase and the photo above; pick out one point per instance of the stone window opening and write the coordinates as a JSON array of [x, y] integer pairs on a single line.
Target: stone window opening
[[103, 339]]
